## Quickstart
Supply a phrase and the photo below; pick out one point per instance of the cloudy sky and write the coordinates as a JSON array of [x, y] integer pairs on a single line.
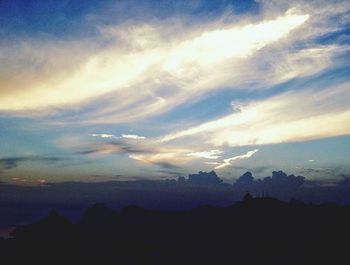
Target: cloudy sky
[[101, 90]]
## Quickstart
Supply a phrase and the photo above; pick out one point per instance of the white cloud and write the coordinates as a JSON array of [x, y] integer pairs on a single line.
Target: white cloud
[[103, 135], [291, 116], [132, 136], [212, 154], [150, 68], [228, 161], [123, 136], [170, 70], [163, 157]]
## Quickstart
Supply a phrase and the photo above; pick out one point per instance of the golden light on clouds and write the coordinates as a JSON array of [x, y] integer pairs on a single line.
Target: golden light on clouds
[[292, 116], [228, 162], [141, 92], [120, 68]]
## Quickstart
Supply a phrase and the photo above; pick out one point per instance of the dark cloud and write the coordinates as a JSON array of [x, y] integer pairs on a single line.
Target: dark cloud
[[332, 170], [281, 179], [328, 174], [345, 181], [277, 182], [166, 165], [313, 170], [170, 172], [120, 147], [246, 179], [8, 163], [88, 152], [73, 162], [132, 148], [206, 178]]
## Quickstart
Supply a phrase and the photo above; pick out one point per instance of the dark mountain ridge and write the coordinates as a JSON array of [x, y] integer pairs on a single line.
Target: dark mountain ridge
[[254, 231]]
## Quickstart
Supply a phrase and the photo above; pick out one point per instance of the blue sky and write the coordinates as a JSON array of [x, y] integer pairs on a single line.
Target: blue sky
[[154, 89]]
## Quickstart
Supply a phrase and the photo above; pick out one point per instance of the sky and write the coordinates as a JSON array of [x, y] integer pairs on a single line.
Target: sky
[[121, 90]]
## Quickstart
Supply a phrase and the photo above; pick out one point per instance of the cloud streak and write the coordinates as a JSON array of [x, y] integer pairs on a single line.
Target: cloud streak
[[133, 136], [279, 119], [228, 161], [103, 135], [9, 163], [122, 136], [212, 154], [153, 61]]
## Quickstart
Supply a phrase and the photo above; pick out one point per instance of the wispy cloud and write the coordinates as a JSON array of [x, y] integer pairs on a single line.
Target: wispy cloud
[[103, 135], [168, 158], [8, 163], [212, 154], [133, 136], [147, 151], [143, 56], [122, 136], [288, 117], [228, 161], [284, 75], [113, 147]]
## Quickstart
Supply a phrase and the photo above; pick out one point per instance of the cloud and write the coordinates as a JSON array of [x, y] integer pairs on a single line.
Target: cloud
[[148, 151], [283, 67], [170, 172], [132, 136], [279, 181], [204, 178], [165, 160], [345, 180], [145, 151], [212, 154], [112, 147], [292, 116], [228, 161], [103, 135], [140, 54], [319, 170], [122, 136], [8, 163]]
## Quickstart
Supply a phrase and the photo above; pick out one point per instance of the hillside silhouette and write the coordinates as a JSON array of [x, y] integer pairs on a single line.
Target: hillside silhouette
[[261, 230]]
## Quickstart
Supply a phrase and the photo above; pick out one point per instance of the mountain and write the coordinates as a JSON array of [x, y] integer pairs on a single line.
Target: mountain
[[254, 231]]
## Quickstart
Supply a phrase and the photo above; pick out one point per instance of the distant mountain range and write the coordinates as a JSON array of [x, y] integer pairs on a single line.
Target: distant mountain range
[[251, 232]]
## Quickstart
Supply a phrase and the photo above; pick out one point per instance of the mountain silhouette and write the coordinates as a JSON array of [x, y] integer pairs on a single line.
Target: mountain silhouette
[[256, 230]]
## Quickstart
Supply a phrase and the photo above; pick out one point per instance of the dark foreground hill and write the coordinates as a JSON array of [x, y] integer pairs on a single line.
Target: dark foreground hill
[[255, 231]]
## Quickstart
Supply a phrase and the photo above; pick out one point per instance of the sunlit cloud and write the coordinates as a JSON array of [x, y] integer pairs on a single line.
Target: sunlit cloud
[[147, 151], [168, 158], [181, 91], [103, 135], [133, 136], [229, 161], [212, 154], [156, 63], [289, 117], [122, 136]]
